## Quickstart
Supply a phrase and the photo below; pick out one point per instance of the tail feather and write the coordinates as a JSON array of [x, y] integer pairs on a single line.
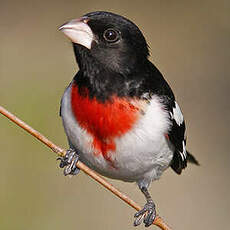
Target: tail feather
[[192, 159]]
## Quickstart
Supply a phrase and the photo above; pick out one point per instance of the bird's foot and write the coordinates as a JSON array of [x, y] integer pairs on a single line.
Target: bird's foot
[[148, 213], [68, 162]]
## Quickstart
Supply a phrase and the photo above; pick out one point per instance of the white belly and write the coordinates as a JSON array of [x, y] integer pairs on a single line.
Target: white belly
[[141, 155]]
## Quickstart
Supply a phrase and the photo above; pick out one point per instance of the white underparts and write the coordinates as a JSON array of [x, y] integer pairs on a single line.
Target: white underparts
[[141, 155]]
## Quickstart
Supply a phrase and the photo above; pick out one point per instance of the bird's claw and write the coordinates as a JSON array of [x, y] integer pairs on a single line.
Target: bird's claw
[[69, 162], [148, 213]]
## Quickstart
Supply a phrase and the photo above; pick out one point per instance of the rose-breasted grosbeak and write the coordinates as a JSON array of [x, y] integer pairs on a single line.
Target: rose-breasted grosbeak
[[119, 114]]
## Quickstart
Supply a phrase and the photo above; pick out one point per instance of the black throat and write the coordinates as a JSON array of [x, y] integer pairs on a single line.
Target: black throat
[[103, 82]]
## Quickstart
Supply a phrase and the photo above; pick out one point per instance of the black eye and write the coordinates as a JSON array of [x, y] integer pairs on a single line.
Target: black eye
[[111, 35]]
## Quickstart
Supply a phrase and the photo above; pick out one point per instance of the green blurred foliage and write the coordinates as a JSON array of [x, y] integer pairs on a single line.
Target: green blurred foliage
[[189, 43]]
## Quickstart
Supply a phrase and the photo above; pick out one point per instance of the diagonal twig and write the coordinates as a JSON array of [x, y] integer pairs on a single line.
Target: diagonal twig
[[61, 152]]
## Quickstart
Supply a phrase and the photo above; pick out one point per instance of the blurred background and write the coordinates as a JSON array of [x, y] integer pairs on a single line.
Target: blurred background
[[190, 44]]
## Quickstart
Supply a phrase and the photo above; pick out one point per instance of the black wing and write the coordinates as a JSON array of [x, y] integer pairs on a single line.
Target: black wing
[[177, 138], [176, 135]]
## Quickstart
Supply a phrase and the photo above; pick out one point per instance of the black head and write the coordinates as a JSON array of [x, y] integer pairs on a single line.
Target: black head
[[108, 39]]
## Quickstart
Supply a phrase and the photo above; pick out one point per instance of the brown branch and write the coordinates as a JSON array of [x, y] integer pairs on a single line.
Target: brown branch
[[61, 152]]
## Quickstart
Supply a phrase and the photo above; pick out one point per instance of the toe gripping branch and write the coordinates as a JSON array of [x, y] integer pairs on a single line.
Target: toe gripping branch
[[68, 162], [148, 213]]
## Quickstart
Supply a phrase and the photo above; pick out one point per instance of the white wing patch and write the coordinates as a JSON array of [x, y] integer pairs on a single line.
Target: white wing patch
[[184, 153], [184, 150], [177, 114]]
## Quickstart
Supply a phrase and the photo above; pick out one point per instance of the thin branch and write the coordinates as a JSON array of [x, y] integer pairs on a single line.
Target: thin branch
[[61, 152]]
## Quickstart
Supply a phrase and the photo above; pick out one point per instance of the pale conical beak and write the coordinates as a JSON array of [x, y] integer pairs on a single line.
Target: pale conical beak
[[78, 31]]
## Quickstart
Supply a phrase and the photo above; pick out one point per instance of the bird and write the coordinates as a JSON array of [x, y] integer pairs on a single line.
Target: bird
[[120, 115]]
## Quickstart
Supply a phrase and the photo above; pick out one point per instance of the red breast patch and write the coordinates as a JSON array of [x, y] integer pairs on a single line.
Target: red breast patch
[[104, 121]]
